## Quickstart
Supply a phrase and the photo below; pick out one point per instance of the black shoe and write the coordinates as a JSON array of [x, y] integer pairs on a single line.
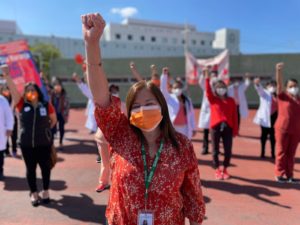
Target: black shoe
[[292, 180], [204, 151], [45, 200], [98, 160], [280, 179]]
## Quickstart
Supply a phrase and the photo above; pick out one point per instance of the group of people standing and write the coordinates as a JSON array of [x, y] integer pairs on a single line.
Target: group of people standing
[[145, 144]]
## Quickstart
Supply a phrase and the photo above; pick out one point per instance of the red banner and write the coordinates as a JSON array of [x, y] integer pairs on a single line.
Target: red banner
[[21, 65]]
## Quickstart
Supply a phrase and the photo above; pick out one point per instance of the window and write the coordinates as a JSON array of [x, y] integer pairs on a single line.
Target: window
[[183, 42], [129, 37], [164, 40], [153, 39], [118, 36], [194, 42], [202, 42], [142, 38]]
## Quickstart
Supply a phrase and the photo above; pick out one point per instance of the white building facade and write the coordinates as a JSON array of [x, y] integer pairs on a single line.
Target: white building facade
[[139, 38]]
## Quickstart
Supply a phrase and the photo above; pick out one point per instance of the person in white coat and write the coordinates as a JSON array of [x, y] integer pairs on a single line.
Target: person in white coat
[[204, 117], [6, 128], [266, 114], [180, 107], [90, 108], [237, 91]]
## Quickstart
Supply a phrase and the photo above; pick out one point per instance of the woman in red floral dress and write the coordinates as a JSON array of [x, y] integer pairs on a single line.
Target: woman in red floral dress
[[169, 190]]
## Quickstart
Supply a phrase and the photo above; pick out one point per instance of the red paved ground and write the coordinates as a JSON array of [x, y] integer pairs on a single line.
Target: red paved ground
[[250, 197]]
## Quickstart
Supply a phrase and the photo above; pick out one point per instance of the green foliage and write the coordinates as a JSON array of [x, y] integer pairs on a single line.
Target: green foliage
[[44, 54]]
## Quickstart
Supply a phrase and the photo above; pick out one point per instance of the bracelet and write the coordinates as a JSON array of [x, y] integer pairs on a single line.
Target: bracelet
[[92, 64]]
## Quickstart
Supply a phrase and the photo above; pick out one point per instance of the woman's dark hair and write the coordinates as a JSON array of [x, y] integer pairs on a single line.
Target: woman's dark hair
[[179, 82], [291, 80], [58, 82], [166, 126], [271, 82], [113, 86], [36, 87], [220, 82]]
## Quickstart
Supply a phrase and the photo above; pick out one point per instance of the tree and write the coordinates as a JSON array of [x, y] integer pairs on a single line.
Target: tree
[[44, 54]]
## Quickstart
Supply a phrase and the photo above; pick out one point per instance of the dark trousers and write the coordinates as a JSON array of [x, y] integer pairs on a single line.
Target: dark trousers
[[265, 132], [33, 157], [223, 131], [61, 126], [14, 138], [205, 139], [1, 162], [239, 116]]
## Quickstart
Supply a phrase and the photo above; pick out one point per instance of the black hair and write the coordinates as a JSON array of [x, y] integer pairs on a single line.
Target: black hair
[[113, 86], [271, 82], [37, 88], [291, 80], [58, 82]]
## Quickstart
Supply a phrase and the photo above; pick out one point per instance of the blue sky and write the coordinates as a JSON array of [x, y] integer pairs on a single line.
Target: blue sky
[[267, 26]]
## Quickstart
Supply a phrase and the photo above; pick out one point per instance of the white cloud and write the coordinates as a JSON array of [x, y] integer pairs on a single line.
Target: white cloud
[[125, 12]]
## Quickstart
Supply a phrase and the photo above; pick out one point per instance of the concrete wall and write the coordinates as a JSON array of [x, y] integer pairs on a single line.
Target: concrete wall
[[118, 72]]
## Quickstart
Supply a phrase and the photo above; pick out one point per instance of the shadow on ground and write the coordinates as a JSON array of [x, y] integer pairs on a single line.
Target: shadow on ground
[[257, 192], [20, 184], [80, 208]]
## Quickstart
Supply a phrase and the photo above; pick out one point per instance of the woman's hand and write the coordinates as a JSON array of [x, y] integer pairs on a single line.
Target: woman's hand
[[256, 81], [76, 78], [92, 28]]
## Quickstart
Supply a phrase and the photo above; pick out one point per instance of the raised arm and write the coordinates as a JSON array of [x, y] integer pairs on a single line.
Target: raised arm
[[16, 96], [92, 29], [82, 86], [135, 72], [208, 91], [279, 68], [259, 88], [164, 84]]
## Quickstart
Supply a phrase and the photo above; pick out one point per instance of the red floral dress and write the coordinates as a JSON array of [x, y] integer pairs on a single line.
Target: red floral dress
[[175, 191]]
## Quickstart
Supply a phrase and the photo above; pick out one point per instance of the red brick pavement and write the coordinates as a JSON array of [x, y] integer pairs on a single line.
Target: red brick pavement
[[250, 197]]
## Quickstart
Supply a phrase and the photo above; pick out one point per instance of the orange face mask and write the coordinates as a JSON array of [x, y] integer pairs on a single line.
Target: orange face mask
[[146, 118], [31, 96], [6, 93], [156, 82]]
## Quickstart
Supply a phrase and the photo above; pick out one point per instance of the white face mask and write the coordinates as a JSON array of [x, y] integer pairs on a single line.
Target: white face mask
[[221, 91], [271, 90], [236, 83], [293, 91], [116, 95], [177, 91]]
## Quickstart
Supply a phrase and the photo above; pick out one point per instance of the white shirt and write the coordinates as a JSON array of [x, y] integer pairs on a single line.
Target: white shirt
[[242, 96], [6, 121], [263, 113], [174, 105]]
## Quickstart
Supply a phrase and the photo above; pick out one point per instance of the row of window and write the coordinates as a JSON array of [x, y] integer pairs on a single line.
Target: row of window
[[164, 39]]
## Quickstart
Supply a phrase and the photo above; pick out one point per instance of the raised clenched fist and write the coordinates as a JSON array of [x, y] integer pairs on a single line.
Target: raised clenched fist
[[92, 27], [256, 81], [5, 70], [279, 66], [132, 65], [76, 78]]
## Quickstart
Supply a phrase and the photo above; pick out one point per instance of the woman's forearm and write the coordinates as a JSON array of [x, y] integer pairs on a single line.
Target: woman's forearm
[[96, 76]]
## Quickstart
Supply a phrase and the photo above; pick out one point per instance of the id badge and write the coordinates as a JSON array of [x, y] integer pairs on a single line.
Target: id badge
[[43, 111], [145, 217]]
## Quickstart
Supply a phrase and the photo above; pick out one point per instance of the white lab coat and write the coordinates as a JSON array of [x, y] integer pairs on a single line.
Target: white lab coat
[[174, 105], [204, 117], [6, 121], [91, 123], [242, 97], [263, 113]]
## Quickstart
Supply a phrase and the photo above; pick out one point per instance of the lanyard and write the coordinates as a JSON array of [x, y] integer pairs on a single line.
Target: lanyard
[[148, 178]]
